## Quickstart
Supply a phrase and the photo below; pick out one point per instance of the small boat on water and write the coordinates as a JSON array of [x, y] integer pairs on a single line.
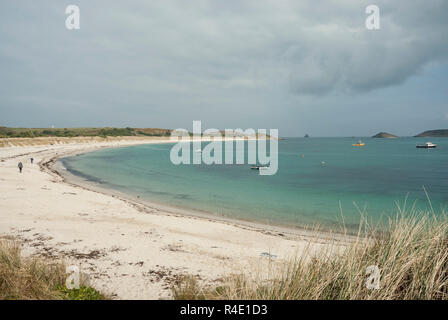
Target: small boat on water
[[427, 145], [359, 144]]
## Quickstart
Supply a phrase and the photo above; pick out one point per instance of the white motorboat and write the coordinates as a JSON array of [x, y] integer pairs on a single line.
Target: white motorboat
[[427, 145]]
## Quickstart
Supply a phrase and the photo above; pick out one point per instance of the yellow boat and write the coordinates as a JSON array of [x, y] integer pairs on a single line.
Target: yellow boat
[[359, 144]]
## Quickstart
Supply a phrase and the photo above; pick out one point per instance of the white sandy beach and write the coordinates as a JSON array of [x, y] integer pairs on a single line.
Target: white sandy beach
[[129, 250]]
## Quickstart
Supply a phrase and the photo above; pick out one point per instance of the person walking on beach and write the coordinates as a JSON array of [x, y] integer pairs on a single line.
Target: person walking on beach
[[32, 160], [20, 167]]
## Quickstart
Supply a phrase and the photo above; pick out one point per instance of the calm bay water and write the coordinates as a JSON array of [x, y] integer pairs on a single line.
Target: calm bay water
[[373, 178]]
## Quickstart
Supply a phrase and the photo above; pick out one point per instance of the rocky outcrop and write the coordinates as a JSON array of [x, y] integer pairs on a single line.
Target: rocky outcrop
[[384, 135]]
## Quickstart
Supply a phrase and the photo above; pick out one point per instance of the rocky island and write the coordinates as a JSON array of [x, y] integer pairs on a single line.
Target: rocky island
[[384, 135]]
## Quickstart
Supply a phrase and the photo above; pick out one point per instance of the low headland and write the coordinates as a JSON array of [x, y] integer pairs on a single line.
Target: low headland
[[439, 133]]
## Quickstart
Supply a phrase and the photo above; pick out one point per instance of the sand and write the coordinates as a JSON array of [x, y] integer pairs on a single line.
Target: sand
[[129, 249]]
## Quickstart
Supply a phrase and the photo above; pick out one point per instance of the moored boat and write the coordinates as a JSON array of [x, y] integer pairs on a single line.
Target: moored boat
[[427, 145], [359, 144]]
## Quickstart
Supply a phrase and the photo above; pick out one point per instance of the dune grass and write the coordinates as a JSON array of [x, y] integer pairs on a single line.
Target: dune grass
[[34, 279], [411, 255]]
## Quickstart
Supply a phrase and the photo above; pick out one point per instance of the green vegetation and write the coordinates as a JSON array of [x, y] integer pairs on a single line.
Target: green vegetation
[[81, 132], [83, 293], [34, 279], [412, 256], [6, 132]]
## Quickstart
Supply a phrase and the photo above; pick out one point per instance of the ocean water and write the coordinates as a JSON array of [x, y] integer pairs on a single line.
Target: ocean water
[[371, 180]]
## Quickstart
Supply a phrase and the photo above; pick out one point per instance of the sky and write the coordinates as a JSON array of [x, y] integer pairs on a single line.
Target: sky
[[299, 66]]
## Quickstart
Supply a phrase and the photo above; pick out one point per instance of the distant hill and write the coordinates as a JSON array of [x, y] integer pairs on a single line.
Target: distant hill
[[434, 133], [384, 135]]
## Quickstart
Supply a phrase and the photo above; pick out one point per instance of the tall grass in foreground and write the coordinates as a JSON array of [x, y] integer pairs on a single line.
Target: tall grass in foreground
[[31, 278], [412, 255]]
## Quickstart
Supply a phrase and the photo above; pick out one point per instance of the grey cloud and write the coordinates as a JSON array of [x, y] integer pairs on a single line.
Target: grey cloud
[[224, 42], [355, 59], [166, 62]]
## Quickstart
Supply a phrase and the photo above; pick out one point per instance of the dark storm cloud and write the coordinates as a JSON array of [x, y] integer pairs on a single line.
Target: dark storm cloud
[[347, 56]]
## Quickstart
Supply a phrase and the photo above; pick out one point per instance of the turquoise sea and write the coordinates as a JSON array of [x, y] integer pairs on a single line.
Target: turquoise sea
[[371, 179]]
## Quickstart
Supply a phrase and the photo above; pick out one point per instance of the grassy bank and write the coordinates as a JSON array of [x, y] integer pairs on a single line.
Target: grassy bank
[[412, 257], [6, 132], [31, 278]]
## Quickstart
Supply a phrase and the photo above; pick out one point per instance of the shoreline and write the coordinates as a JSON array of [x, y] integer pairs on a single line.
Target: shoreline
[[131, 250], [56, 166]]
